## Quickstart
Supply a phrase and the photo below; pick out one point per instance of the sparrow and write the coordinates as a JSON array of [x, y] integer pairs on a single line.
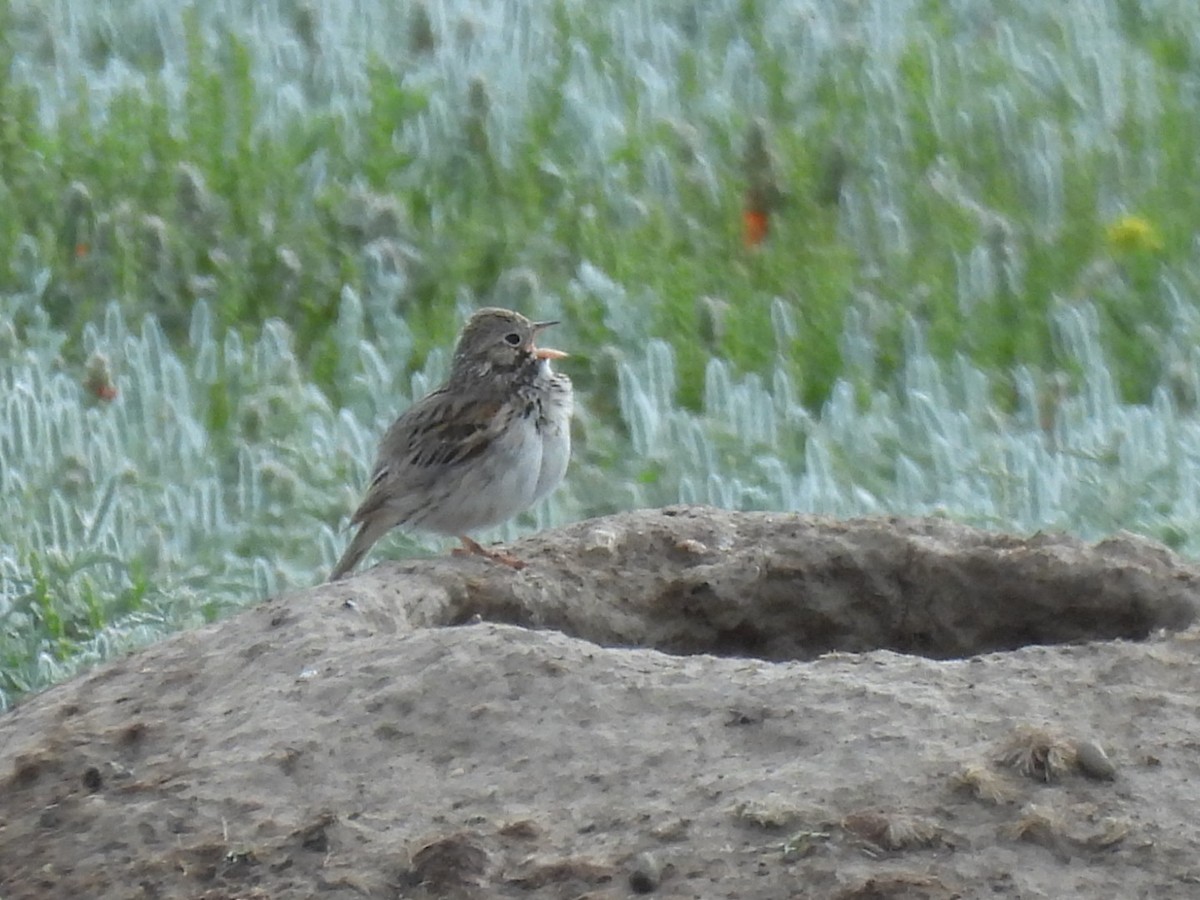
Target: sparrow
[[492, 441]]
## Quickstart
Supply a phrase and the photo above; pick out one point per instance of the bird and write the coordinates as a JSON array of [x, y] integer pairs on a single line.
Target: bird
[[492, 441]]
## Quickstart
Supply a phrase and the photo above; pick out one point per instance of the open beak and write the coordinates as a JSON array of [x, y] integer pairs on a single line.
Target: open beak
[[546, 352]]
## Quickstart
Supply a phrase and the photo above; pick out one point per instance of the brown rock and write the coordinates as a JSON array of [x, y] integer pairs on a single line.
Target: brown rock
[[363, 748]]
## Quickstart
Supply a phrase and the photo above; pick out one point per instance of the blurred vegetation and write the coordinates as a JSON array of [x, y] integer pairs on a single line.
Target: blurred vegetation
[[807, 258]]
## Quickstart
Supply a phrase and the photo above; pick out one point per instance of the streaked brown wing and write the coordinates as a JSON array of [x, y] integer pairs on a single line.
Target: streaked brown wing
[[433, 434]]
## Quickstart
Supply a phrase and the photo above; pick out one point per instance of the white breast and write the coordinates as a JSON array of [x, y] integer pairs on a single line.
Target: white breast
[[555, 428]]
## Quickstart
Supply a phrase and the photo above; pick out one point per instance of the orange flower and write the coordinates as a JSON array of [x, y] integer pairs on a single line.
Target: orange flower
[[757, 205], [762, 190], [755, 226]]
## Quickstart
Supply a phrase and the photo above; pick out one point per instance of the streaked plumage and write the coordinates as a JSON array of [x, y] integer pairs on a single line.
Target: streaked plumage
[[489, 443]]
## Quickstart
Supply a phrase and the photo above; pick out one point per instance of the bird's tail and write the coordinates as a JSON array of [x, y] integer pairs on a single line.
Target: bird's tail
[[368, 533]]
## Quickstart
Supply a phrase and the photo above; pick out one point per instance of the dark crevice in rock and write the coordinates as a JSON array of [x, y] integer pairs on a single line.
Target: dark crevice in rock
[[694, 580]]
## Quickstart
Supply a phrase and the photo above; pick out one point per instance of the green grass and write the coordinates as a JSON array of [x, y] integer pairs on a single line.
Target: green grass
[[264, 232]]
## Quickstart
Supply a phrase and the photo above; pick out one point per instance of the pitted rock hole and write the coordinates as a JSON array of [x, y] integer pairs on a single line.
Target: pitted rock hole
[[693, 580], [944, 610]]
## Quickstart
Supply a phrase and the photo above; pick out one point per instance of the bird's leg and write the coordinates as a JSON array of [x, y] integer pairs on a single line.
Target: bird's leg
[[474, 547]]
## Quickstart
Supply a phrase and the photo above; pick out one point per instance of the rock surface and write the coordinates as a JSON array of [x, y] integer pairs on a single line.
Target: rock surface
[[758, 705]]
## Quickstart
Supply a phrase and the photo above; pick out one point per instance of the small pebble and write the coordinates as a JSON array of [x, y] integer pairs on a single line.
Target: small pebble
[[646, 874], [600, 542], [1094, 762]]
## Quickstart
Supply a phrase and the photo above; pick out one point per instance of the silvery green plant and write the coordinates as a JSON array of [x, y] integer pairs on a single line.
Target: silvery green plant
[[217, 475], [157, 470]]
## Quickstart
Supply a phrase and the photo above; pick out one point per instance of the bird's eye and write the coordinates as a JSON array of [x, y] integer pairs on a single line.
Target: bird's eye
[[512, 338]]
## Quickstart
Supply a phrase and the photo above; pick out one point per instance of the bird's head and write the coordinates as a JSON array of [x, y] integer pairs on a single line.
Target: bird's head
[[499, 341]]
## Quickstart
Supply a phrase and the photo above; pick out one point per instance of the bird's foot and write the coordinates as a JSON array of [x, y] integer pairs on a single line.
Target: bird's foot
[[474, 548]]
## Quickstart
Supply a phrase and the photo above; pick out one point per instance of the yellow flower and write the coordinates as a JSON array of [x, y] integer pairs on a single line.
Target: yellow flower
[[1133, 234]]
